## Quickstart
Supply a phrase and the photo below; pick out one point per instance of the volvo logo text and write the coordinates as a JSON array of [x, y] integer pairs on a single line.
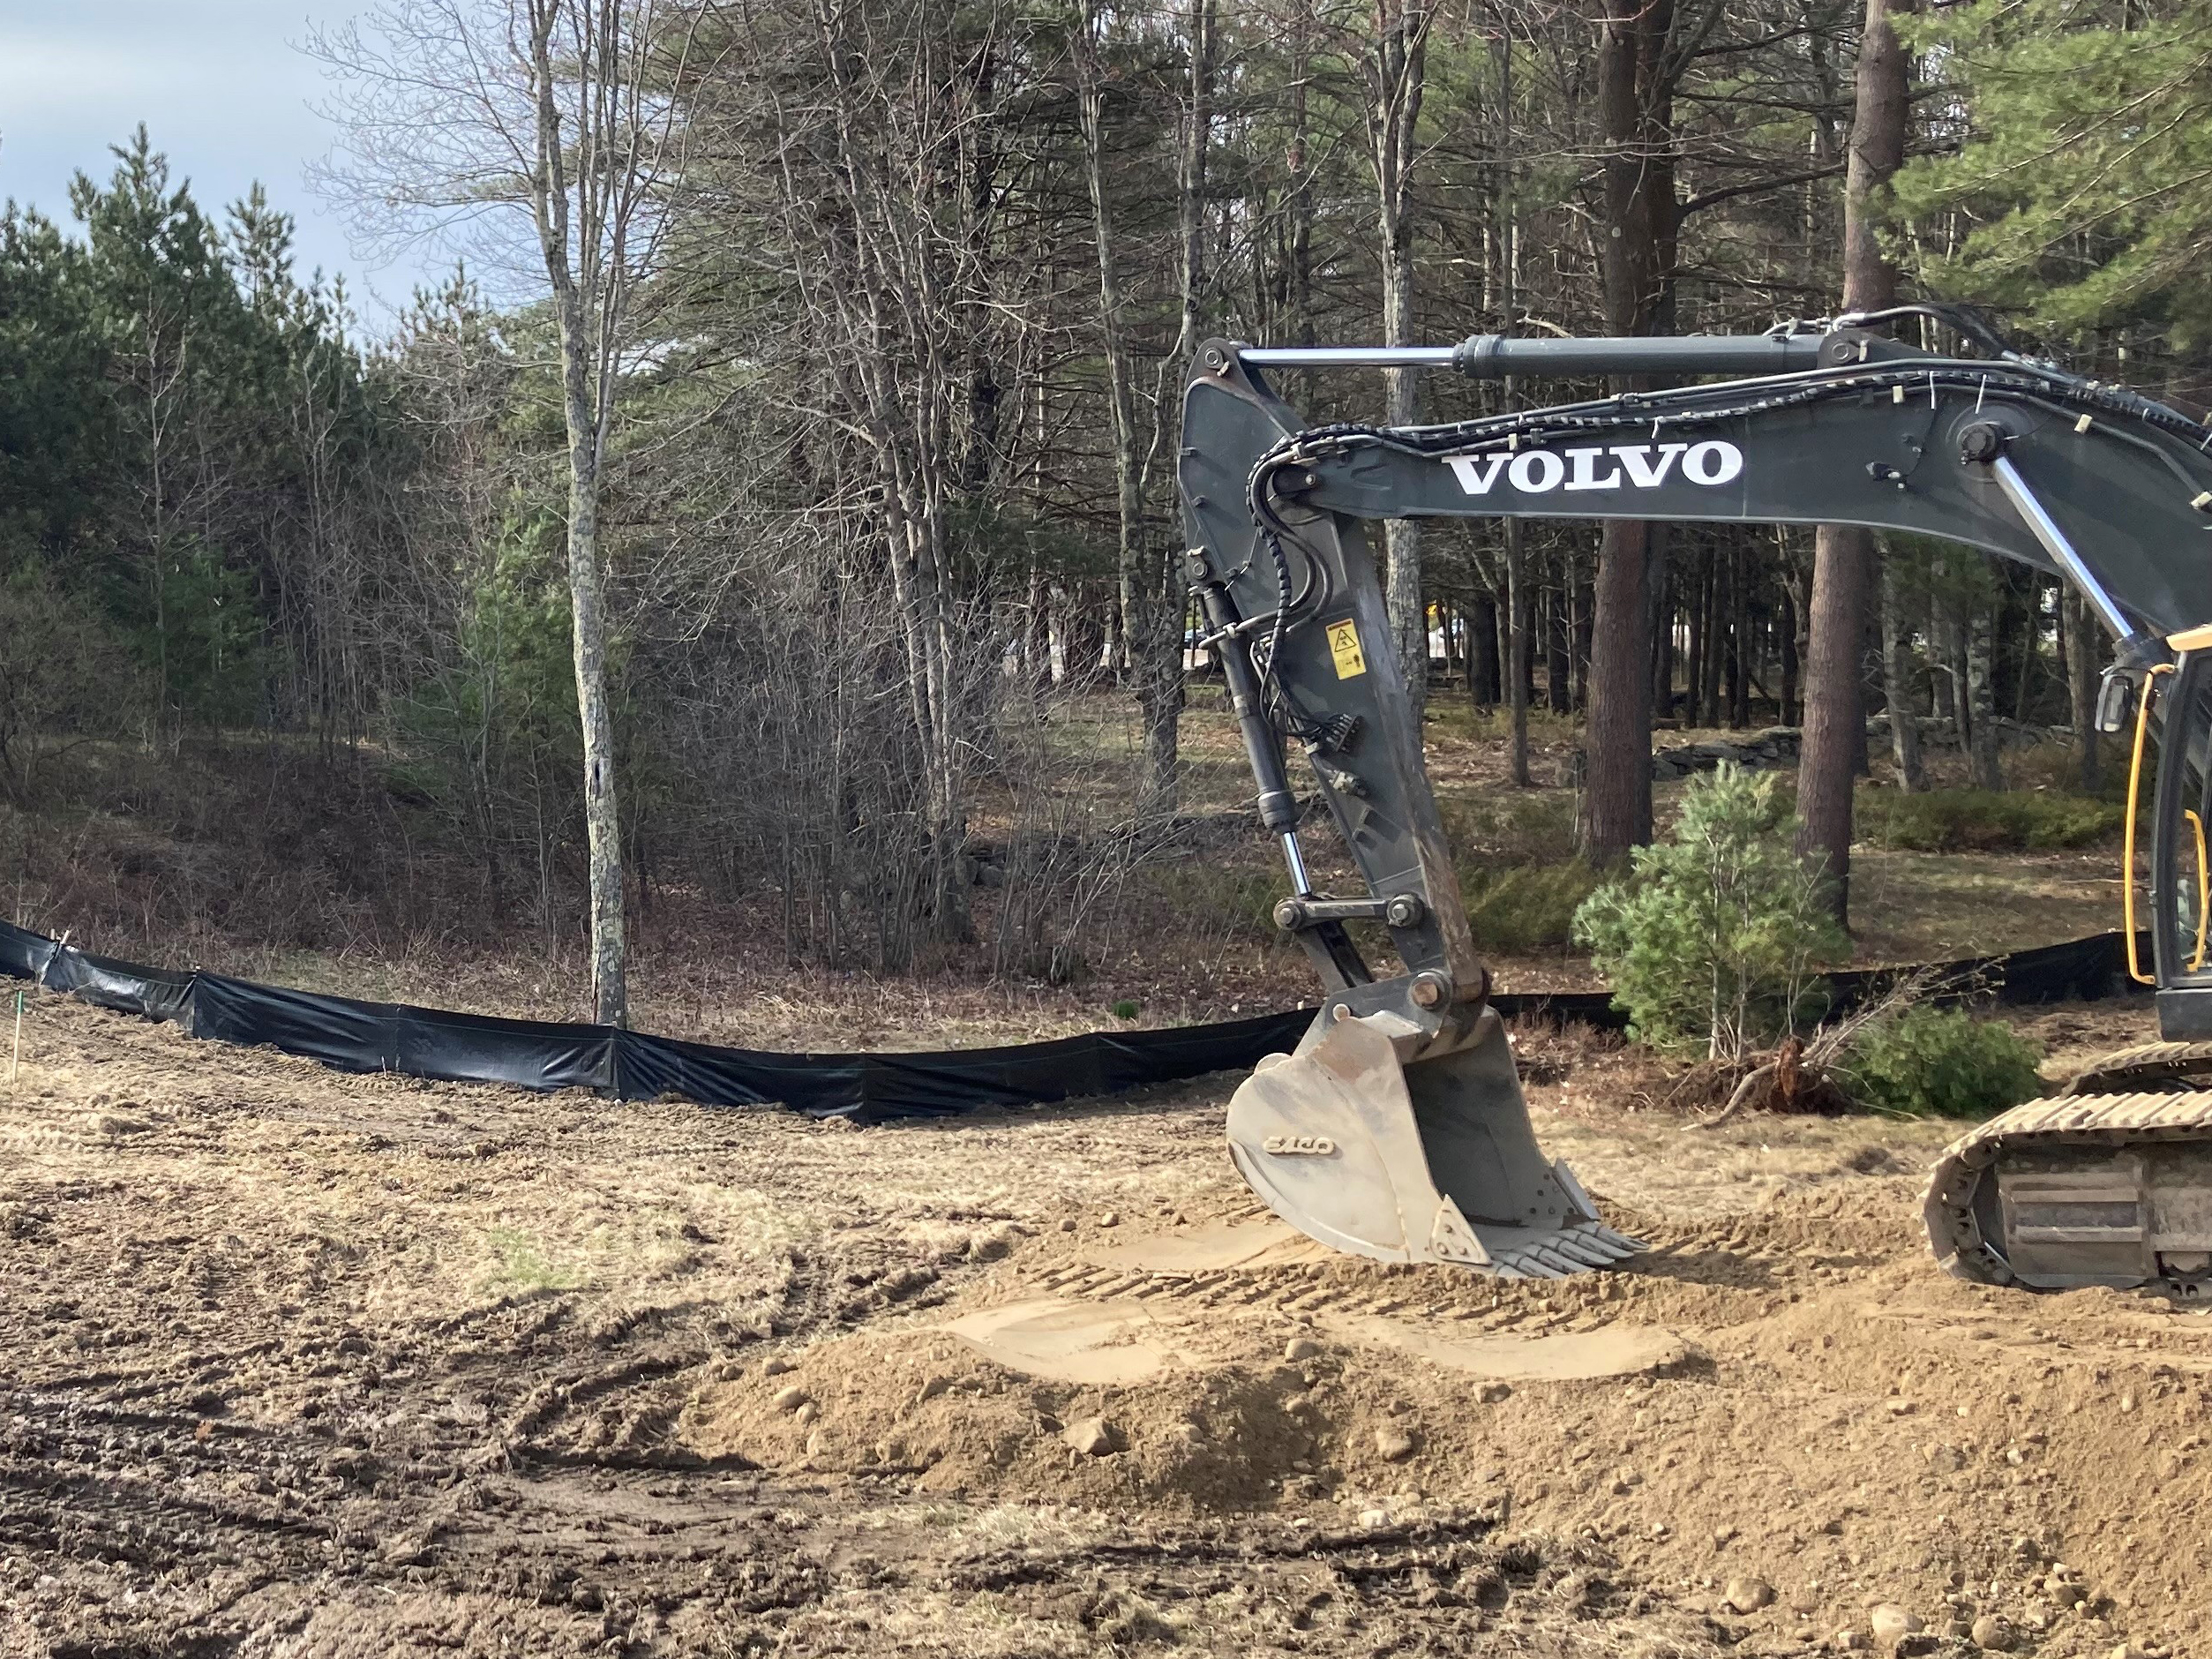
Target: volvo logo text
[[1618, 467]]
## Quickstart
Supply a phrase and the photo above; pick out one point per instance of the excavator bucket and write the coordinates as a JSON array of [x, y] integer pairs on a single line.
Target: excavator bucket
[[1429, 1158]]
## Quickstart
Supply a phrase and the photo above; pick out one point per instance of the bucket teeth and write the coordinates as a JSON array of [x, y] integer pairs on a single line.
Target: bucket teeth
[[1533, 1261], [1569, 1251], [1617, 1246], [1588, 1252]]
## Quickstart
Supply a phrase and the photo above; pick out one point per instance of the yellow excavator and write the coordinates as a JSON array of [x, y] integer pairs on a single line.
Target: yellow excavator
[[1397, 1129]]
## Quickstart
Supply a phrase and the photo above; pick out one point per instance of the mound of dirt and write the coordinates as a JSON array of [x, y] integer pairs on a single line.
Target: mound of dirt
[[1189, 1409], [1780, 1424]]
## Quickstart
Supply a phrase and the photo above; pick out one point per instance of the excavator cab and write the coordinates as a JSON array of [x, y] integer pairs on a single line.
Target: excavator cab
[[2179, 700]]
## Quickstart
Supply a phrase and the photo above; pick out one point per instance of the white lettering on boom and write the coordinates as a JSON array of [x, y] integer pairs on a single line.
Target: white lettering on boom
[[1583, 471], [1477, 473], [1536, 471], [1647, 473], [1711, 463]]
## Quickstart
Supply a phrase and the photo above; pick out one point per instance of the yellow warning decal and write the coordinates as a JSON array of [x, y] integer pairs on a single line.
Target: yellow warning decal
[[1344, 645]]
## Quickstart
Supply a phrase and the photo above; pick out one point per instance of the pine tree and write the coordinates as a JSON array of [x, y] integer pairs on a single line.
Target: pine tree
[[2079, 178]]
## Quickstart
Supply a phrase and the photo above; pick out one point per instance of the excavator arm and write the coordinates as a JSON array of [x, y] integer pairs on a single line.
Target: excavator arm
[[1397, 1130]]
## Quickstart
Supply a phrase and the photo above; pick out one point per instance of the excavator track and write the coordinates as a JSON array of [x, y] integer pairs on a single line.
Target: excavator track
[[2148, 1069], [2104, 1188]]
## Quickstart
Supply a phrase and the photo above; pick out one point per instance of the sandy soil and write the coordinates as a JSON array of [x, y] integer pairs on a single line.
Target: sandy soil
[[299, 1363]]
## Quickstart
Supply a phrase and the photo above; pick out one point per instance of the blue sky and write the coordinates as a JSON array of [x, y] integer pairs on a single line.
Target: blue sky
[[223, 91]]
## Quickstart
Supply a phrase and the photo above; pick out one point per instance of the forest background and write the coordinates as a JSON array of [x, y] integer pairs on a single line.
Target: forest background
[[846, 428]]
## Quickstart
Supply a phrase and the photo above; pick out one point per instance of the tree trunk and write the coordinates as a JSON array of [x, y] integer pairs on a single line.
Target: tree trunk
[[1482, 665], [1160, 668], [2030, 649], [1842, 558], [1828, 761], [1520, 669], [1396, 74], [1739, 640], [1716, 634], [1786, 638], [1635, 116], [1617, 795], [1299, 256], [1897, 670], [586, 609], [1558, 669], [1956, 648], [1151, 634], [585, 302], [2082, 687], [1983, 743], [1695, 608]]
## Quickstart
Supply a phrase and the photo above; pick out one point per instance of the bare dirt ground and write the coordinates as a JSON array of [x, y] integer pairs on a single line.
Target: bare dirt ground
[[303, 1365]]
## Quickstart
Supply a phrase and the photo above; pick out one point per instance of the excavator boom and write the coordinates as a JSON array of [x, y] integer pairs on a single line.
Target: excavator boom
[[1397, 1130]]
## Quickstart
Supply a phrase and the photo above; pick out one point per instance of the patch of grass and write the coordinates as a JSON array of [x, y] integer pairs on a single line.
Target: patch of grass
[[1527, 827], [1524, 907], [1939, 1063], [1215, 897], [1981, 820], [2057, 768], [523, 1265], [1932, 906], [1454, 717], [1127, 1008], [1518, 875]]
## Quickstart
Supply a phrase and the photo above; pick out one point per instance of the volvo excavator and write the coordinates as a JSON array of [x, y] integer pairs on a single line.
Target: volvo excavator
[[1397, 1129]]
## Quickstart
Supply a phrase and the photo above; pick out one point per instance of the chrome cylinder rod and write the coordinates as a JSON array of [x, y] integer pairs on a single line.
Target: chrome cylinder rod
[[1349, 357], [1301, 883], [1494, 356], [2061, 551]]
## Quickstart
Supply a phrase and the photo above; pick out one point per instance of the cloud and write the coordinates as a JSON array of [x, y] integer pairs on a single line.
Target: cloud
[[223, 92]]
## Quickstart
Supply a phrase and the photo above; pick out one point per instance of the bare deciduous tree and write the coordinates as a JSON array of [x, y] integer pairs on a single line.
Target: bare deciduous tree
[[566, 111], [1394, 65]]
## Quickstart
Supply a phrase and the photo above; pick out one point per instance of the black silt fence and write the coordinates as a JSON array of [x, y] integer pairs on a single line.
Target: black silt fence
[[351, 1035]]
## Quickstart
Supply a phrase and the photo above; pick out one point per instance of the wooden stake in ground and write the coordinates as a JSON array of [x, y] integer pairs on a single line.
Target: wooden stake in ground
[[15, 1060]]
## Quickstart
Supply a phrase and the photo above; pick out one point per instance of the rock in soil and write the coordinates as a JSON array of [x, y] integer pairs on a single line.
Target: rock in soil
[[1749, 1596], [1094, 1437], [1892, 1626], [1394, 1445], [1993, 1632]]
